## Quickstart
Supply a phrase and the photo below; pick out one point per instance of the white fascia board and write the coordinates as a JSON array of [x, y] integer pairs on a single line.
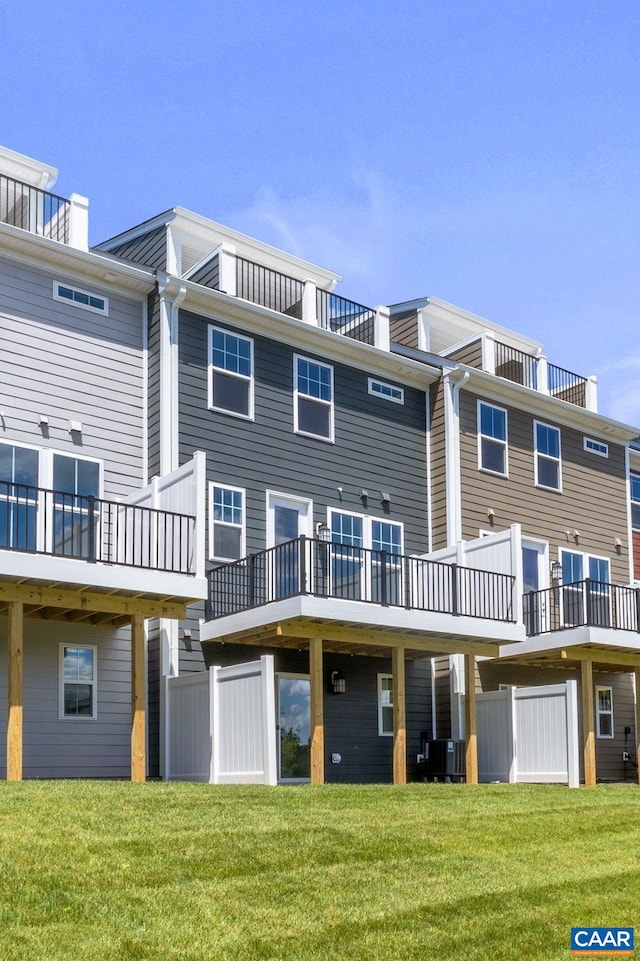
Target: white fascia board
[[441, 310], [490, 387], [67, 571], [253, 318], [27, 169], [214, 233], [423, 623], [595, 637], [83, 266]]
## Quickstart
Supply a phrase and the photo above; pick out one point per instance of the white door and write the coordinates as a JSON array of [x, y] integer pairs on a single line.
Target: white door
[[534, 580], [288, 518]]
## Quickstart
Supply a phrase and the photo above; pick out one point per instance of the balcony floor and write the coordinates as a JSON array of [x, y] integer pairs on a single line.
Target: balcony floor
[[609, 649], [355, 627]]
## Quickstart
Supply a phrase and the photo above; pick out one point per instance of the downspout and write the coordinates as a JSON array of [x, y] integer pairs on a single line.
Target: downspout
[[452, 388]]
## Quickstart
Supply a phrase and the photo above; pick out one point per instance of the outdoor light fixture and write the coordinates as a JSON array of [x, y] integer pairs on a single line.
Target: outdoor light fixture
[[385, 497], [338, 683], [556, 570], [323, 532]]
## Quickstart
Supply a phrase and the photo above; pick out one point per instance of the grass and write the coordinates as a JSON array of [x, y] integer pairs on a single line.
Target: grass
[[160, 872]]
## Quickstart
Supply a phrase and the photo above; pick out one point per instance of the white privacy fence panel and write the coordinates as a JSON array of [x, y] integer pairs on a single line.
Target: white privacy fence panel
[[222, 725], [529, 734]]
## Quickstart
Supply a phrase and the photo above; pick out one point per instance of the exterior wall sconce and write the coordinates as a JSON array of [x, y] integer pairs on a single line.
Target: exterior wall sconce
[[617, 543], [43, 420], [556, 570], [338, 683], [75, 427], [323, 532], [491, 515], [385, 497]]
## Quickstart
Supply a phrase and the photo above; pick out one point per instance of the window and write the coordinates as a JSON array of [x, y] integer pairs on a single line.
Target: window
[[230, 373], [78, 681], [80, 298], [492, 431], [313, 398], [226, 523], [547, 454], [357, 561], [604, 711], [388, 391], [595, 446], [18, 497], [634, 480], [76, 482], [347, 555], [385, 705], [582, 603]]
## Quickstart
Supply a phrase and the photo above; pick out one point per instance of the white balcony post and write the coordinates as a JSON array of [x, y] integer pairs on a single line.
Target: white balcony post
[[227, 264], [542, 375], [489, 351], [79, 222], [381, 329], [591, 394], [309, 303], [424, 340]]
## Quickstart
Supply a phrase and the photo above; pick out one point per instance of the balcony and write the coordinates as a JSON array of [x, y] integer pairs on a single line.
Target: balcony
[[586, 603], [538, 374], [370, 597], [45, 214]]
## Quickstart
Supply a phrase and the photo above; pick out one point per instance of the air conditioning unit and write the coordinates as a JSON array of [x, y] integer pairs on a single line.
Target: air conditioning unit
[[444, 759]]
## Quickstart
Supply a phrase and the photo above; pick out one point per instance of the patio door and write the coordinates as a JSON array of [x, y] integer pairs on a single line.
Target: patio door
[[294, 727], [288, 518], [534, 580], [585, 602]]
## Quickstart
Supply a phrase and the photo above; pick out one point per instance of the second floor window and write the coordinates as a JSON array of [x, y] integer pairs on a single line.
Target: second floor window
[[230, 373], [226, 524], [18, 497], [313, 398], [547, 465], [492, 438]]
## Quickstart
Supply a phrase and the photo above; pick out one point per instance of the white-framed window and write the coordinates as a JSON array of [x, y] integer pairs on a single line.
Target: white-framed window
[[385, 705], [595, 446], [381, 389], [604, 711], [80, 298], [231, 381], [313, 409], [492, 439], [78, 681], [19, 474], [359, 569], [226, 522], [634, 486], [582, 604], [548, 469]]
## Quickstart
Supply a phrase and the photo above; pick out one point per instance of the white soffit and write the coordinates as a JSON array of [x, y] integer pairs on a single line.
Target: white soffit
[[26, 169]]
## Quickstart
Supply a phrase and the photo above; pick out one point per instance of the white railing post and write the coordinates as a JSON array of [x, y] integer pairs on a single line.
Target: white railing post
[[381, 329], [489, 351], [542, 375], [79, 222], [227, 267], [309, 303], [591, 394]]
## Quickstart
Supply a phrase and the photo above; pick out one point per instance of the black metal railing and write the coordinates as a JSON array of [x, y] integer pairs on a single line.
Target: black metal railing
[[311, 566], [567, 386], [346, 317], [35, 210], [516, 366], [39, 521], [267, 287], [586, 603]]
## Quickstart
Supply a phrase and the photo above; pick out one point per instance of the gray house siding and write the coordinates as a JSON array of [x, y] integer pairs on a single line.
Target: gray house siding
[[209, 274], [71, 747], [68, 363], [150, 249], [351, 720]]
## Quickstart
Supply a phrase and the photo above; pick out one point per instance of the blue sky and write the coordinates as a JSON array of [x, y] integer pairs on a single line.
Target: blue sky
[[486, 153]]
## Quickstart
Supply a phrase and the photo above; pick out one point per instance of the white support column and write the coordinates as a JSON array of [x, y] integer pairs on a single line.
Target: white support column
[[79, 222], [424, 340], [542, 375], [309, 303], [227, 264], [381, 336], [591, 394], [489, 351]]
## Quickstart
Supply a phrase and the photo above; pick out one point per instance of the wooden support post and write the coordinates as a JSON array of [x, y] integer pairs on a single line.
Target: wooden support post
[[588, 732], [470, 723], [138, 712], [399, 716], [637, 674], [14, 720], [317, 710]]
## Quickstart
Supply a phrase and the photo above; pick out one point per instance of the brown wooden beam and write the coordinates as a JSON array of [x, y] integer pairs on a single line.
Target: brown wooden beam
[[80, 600], [470, 720], [317, 711], [14, 720], [138, 712], [637, 674], [399, 717], [588, 732]]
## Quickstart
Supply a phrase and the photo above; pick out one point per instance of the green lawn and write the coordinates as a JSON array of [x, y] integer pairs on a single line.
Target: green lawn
[[101, 871]]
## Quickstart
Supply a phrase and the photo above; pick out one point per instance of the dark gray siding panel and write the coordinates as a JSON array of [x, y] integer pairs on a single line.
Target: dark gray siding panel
[[150, 249], [351, 720], [470, 354], [209, 274], [403, 329], [438, 467]]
